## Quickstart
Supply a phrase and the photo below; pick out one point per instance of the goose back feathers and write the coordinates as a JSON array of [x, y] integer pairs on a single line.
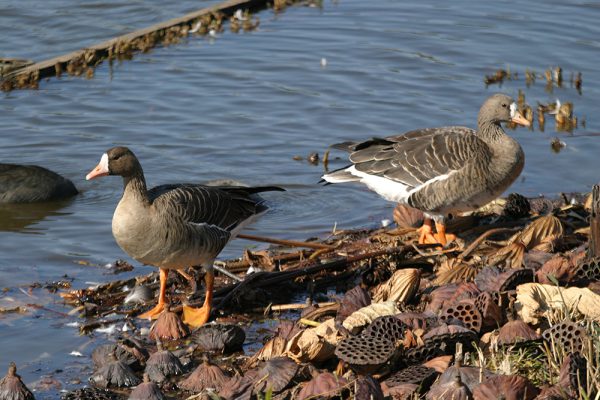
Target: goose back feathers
[[440, 170]]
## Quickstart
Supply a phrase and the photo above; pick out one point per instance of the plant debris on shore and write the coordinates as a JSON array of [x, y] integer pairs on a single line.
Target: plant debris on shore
[[510, 307]]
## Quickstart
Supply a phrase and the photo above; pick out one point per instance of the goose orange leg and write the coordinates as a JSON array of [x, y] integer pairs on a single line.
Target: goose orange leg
[[442, 237], [195, 317], [154, 313], [426, 232]]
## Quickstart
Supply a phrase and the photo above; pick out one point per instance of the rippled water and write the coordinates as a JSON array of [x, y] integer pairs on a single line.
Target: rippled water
[[241, 106]]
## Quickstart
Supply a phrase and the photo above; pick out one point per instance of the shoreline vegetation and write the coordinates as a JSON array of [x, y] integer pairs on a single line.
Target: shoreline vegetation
[[509, 307]]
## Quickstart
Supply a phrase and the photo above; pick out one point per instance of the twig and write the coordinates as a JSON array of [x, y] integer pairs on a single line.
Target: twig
[[291, 243], [309, 322], [298, 306], [481, 238], [273, 278], [227, 273]]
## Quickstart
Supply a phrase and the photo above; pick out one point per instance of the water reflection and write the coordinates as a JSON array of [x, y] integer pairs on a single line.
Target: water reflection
[[25, 217]]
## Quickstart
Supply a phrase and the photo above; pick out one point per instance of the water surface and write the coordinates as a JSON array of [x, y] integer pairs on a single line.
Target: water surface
[[241, 106]]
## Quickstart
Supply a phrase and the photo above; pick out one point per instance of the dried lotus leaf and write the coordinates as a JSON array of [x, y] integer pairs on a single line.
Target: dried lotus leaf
[[275, 374], [314, 344], [540, 233], [205, 376], [573, 372], [452, 390], [401, 287], [287, 329], [408, 217], [439, 364], [439, 296], [535, 300], [490, 310], [465, 291], [324, 385], [168, 326], [454, 271], [493, 279], [468, 376], [516, 331], [115, 373], [354, 299], [405, 391], [366, 315], [12, 387], [161, 365], [147, 390], [559, 267], [508, 387], [275, 347], [219, 338], [510, 256], [554, 392], [366, 387]]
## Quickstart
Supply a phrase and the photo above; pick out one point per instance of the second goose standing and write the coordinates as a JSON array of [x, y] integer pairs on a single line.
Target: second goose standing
[[176, 225], [441, 171]]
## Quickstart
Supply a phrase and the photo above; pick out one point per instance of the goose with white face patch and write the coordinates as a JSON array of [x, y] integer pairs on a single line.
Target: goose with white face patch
[[175, 226], [441, 171]]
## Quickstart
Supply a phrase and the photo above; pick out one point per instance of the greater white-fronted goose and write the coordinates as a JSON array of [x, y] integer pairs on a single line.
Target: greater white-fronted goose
[[31, 183], [441, 171], [176, 225]]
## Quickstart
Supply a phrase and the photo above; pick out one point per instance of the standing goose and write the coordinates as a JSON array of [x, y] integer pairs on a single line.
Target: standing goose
[[31, 183], [441, 171], [176, 225]]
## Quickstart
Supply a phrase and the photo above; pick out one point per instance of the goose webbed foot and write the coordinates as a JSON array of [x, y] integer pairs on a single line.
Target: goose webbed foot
[[153, 313], [196, 317], [426, 235]]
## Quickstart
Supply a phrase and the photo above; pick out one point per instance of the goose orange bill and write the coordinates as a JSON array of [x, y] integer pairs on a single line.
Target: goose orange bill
[[100, 170], [519, 119]]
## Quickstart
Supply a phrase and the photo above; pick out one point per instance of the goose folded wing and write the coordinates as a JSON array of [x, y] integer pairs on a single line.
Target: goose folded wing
[[199, 204], [420, 156]]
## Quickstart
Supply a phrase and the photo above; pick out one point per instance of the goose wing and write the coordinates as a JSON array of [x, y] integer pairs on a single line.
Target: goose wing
[[219, 207], [418, 156]]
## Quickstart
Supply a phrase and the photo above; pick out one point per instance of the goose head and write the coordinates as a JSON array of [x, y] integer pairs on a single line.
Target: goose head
[[500, 108], [116, 161]]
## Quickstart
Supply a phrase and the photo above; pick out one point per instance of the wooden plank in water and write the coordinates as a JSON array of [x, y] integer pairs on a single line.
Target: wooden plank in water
[[83, 62]]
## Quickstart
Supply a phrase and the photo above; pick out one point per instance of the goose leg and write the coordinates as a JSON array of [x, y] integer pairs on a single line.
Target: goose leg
[[441, 236], [426, 232], [195, 317], [152, 314]]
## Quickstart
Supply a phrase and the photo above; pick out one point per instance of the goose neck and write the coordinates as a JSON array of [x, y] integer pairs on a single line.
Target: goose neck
[[135, 187], [491, 131]]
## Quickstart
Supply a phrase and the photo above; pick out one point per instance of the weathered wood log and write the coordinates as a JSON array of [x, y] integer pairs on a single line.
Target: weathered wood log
[[82, 62]]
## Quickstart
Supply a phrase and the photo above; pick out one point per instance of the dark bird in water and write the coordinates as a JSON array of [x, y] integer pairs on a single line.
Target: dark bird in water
[[30, 183]]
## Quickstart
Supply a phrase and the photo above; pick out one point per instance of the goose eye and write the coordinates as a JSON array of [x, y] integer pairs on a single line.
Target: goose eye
[[504, 105]]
